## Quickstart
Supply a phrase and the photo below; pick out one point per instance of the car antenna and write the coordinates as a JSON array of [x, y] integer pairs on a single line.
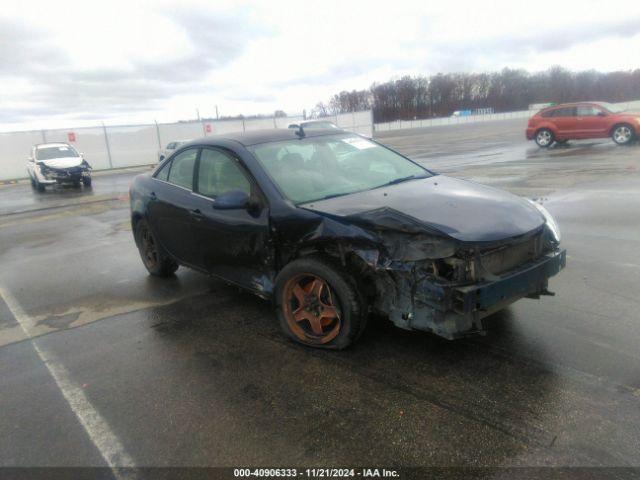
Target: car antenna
[[300, 131]]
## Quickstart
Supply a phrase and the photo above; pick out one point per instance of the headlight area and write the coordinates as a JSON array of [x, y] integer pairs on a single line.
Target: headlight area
[[551, 224], [45, 171]]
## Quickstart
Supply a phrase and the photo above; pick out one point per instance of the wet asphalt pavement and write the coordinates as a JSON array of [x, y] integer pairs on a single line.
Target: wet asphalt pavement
[[100, 362]]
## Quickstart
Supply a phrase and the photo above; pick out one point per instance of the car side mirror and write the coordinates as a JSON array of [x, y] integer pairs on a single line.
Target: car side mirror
[[602, 114], [231, 200]]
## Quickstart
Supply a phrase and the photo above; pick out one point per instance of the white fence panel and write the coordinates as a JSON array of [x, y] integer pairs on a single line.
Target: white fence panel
[[225, 126], [283, 122], [259, 124], [436, 122], [357, 122], [131, 146], [135, 145], [170, 132], [14, 150]]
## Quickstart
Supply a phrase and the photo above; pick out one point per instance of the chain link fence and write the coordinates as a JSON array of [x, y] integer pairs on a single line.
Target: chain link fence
[[110, 147]]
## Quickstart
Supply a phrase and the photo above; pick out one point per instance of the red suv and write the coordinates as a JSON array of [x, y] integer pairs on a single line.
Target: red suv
[[572, 121]]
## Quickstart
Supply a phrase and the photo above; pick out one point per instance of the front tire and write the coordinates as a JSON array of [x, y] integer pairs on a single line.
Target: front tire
[[86, 181], [153, 256], [544, 138], [318, 304], [623, 134]]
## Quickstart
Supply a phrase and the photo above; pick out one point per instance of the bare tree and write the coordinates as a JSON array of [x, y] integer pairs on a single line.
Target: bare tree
[[509, 90]]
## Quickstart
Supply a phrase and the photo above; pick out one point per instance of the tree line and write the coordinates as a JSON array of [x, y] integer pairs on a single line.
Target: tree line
[[409, 98]]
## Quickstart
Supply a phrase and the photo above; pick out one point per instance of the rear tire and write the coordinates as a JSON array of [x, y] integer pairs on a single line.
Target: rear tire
[[544, 138], [154, 258], [39, 186], [623, 134], [318, 304]]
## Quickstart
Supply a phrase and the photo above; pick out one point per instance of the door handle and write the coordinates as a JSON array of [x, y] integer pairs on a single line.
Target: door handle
[[196, 214]]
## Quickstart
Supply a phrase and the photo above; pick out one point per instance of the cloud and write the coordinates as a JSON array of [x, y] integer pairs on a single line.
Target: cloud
[[451, 56], [115, 60], [25, 52], [214, 41]]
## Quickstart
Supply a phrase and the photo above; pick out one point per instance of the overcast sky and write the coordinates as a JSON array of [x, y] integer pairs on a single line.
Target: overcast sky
[[74, 63]]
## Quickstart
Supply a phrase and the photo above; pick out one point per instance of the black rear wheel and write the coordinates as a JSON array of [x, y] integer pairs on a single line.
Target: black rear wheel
[[153, 256]]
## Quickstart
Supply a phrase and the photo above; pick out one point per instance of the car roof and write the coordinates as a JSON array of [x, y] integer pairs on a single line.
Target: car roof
[[570, 104], [52, 144], [254, 137], [574, 104]]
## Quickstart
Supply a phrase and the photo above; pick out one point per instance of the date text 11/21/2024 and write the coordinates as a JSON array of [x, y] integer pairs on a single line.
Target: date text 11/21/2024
[[316, 472]]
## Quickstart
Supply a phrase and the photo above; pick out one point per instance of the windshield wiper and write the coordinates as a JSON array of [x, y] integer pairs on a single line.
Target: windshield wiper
[[403, 179]]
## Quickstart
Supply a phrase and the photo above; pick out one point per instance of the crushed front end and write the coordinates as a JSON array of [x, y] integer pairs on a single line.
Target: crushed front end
[[432, 283], [75, 174]]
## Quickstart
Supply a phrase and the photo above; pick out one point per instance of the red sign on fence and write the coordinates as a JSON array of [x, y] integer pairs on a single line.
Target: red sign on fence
[[207, 128], [71, 136]]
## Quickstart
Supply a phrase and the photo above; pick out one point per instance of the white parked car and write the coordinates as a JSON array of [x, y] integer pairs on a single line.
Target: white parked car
[[170, 148], [57, 163]]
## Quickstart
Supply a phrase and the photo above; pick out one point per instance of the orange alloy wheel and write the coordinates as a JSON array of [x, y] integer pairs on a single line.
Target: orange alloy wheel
[[309, 309]]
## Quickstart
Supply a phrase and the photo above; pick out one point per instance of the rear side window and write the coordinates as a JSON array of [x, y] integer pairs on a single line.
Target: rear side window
[[182, 166], [564, 112], [219, 173], [588, 111]]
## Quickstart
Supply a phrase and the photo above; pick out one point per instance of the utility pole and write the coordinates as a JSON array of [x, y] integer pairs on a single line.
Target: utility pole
[[217, 118], [198, 114]]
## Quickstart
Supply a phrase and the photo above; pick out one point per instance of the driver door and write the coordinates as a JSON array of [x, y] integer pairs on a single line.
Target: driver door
[[234, 244]]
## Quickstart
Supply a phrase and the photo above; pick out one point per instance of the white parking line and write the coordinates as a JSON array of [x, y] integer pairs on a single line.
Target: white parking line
[[96, 427]]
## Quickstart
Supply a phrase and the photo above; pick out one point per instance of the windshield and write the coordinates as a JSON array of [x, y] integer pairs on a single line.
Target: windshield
[[611, 107], [322, 167], [60, 151]]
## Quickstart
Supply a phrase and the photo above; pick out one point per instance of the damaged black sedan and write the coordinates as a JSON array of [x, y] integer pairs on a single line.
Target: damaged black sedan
[[334, 227]]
